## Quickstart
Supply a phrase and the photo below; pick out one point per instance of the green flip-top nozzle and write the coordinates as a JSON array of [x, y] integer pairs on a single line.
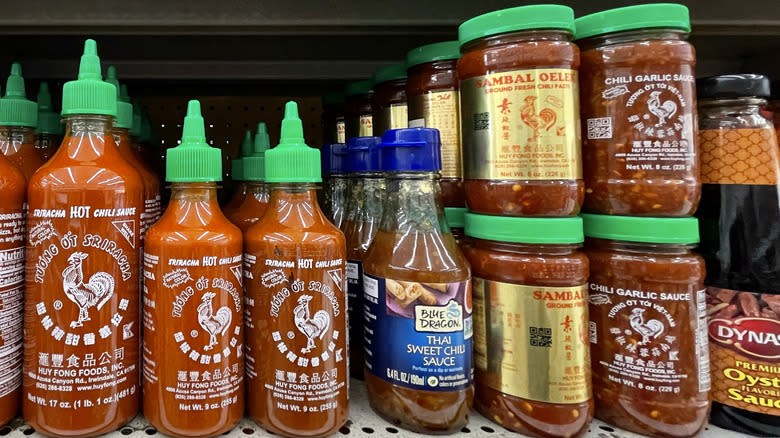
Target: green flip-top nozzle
[[292, 161], [254, 164], [124, 110], [246, 144], [15, 108], [135, 129], [124, 96], [244, 151], [48, 120], [89, 94], [194, 160]]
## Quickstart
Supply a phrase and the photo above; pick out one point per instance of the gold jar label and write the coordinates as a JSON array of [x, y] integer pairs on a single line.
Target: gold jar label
[[341, 132], [392, 117], [531, 341], [440, 111], [521, 125], [366, 126]]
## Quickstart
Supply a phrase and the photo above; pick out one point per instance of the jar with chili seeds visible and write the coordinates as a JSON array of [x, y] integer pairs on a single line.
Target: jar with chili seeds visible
[[531, 313], [358, 121], [389, 100], [520, 112], [434, 102], [648, 328], [638, 107]]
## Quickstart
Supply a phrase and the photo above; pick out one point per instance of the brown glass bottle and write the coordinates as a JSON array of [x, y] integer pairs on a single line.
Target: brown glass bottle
[[388, 105]]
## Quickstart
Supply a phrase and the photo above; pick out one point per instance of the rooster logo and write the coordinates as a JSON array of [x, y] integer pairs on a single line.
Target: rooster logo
[[313, 327], [95, 293], [649, 330], [664, 111], [544, 120], [213, 323]]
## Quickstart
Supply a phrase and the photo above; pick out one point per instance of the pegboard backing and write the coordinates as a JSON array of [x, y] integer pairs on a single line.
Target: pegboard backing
[[227, 117]]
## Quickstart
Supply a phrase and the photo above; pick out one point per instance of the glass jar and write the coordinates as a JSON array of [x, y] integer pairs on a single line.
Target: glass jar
[[333, 118], [434, 101], [739, 219], [531, 313], [389, 101], [358, 121], [520, 112], [639, 112], [648, 329], [456, 220]]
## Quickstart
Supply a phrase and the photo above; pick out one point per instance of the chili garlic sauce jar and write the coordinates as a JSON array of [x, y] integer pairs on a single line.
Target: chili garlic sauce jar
[[531, 350], [648, 328], [389, 101], [520, 112], [358, 121], [638, 103]]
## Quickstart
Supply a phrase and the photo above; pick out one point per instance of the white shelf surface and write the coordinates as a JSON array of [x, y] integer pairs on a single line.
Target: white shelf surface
[[364, 423]]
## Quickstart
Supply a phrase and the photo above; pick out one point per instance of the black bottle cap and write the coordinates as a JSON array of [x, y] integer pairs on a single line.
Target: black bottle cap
[[733, 86]]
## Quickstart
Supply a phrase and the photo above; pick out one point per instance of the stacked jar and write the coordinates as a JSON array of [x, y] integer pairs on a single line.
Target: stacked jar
[[647, 302], [388, 103], [358, 121]]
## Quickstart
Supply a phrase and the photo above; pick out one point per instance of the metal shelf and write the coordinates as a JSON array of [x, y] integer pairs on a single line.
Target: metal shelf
[[364, 423]]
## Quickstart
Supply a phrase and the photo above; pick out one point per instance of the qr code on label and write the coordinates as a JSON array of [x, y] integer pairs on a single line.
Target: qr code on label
[[541, 336], [481, 121], [600, 127]]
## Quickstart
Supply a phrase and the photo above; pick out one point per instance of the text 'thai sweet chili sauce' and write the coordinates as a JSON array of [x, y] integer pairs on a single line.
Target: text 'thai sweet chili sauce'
[[296, 340], [333, 196], [13, 192], [253, 170], [648, 328], [434, 101], [237, 175], [388, 103], [520, 112], [50, 128], [193, 298], [638, 104], [18, 120], [416, 296], [358, 119], [81, 310]]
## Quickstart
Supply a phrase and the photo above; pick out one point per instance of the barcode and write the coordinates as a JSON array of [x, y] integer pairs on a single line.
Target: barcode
[[481, 121], [600, 127], [541, 336]]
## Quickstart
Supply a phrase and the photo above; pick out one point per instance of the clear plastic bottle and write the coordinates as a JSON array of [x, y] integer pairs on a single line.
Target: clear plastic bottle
[[18, 120], [253, 171], [239, 183], [50, 127], [334, 182]]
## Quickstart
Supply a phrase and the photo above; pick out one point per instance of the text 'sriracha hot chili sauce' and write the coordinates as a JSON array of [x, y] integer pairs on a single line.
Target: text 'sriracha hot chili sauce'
[[358, 119], [81, 321], [739, 218], [531, 314], [638, 105], [193, 298], [296, 340], [333, 196], [50, 128], [18, 119], [519, 109], [239, 182], [253, 169], [389, 101], [417, 296], [366, 192], [333, 106], [648, 327], [434, 100], [13, 192]]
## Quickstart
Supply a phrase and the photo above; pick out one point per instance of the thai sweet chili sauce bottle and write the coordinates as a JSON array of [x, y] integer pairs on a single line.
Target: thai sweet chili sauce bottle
[[253, 167], [18, 119], [239, 188], [296, 299], [81, 310], [193, 340], [50, 128]]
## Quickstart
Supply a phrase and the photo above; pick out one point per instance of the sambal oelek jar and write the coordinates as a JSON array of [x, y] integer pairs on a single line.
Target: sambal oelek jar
[[638, 105], [520, 112], [648, 327], [531, 347], [388, 103], [358, 119]]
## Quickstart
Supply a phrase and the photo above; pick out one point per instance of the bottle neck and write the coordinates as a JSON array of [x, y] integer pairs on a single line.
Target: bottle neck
[[88, 137], [628, 36], [122, 139], [413, 204], [14, 138], [294, 205], [744, 112], [258, 190], [194, 192], [365, 197]]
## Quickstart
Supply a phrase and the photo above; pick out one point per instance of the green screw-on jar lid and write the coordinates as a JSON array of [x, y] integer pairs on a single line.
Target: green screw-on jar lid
[[556, 231], [193, 160], [15, 108], [642, 229], [124, 110], [334, 98], [135, 129], [389, 73], [89, 94], [456, 216], [292, 161], [359, 87], [254, 164], [48, 120], [657, 15], [433, 52], [516, 19]]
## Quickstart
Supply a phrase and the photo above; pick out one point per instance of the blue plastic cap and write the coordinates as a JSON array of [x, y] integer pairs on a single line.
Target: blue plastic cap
[[411, 150], [363, 154], [334, 158]]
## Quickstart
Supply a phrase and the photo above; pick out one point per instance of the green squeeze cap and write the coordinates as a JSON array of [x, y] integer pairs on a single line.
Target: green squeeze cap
[[124, 110], [193, 160], [135, 129], [292, 161], [48, 120], [238, 163], [89, 94], [15, 109], [254, 163]]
